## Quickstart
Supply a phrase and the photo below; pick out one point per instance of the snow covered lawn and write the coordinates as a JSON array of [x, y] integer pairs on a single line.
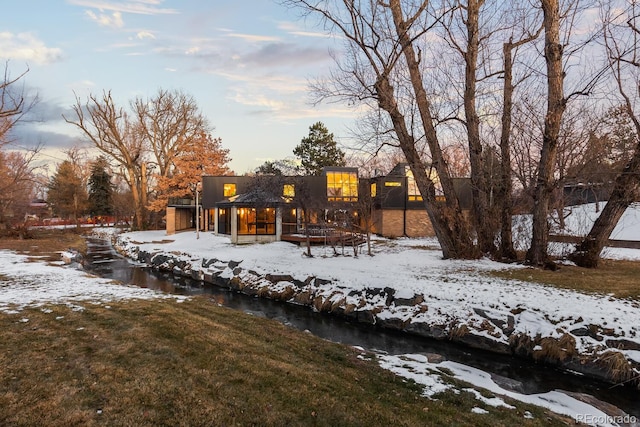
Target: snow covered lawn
[[34, 284]]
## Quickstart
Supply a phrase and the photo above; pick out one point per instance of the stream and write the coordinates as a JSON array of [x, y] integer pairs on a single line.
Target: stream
[[101, 259]]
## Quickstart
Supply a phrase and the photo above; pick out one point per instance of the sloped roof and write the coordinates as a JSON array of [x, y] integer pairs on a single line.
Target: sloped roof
[[255, 197]]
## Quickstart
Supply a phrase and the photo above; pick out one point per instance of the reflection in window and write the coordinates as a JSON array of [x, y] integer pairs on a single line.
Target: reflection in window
[[224, 221], [342, 186], [289, 191], [256, 221], [413, 193], [229, 190]]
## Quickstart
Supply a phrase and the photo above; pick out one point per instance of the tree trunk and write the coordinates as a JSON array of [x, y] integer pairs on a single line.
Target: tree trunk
[[537, 253], [135, 195], [625, 191], [507, 251], [448, 222], [481, 216]]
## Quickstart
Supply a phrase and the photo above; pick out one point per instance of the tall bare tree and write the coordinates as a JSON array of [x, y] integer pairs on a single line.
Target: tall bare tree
[[385, 66], [622, 30], [169, 121], [13, 103], [505, 195], [113, 132], [556, 104]]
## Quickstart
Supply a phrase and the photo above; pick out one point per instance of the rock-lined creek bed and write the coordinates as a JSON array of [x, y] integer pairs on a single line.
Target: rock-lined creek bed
[[599, 351]]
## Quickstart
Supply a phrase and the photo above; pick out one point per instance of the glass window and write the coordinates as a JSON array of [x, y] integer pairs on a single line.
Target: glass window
[[256, 221], [413, 193], [342, 186], [224, 221], [229, 190], [392, 184], [289, 191], [374, 190]]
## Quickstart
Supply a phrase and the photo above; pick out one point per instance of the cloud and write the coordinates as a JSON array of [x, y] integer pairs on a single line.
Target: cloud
[[27, 47], [143, 7], [286, 54], [293, 29], [145, 35], [114, 20], [253, 37]]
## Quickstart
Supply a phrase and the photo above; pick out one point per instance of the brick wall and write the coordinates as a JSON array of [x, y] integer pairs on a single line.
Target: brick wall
[[391, 223], [419, 224]]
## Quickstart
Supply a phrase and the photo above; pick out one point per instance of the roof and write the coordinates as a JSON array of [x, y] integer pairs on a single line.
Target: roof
[[255, 197]]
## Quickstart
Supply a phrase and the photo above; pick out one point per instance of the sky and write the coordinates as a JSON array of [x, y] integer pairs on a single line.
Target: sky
[[247, 63]]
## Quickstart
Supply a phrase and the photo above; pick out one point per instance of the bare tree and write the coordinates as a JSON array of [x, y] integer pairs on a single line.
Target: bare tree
[[385, 67], [17, 182], [505, 195], [169, 121], [622, 31], [556, 104], [12, 102], [113, 132]]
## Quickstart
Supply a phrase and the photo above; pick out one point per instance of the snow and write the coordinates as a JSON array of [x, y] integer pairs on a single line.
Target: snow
[[578, 222], [418, 368], [34, 284], [454, 292]]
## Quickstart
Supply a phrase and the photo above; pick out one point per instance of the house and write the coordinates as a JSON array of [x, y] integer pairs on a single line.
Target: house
[[272, 208]]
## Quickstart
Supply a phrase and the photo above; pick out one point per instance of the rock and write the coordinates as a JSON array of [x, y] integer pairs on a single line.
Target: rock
[[434, 358], [320, 282], [508, 383], [275, 278], [622, 344], [391, 323], [617, 415], [415, 300], [233, 264], [366, 316], [425, 330], [206, 263]]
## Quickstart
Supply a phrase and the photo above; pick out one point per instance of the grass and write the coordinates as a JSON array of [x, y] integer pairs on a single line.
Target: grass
[[46, 243], [195, 363], [619, 278]]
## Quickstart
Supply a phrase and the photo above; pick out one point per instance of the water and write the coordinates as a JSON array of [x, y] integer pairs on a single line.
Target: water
[[535, 378]]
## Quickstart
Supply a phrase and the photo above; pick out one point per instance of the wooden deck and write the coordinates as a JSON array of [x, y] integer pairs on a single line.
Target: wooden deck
[[347, 239]]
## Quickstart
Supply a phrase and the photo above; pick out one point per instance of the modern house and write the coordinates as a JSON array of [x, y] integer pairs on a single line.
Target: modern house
[[272, 208]]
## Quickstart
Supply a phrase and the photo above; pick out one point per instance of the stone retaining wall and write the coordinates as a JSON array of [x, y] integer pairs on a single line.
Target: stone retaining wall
[[380, 307]]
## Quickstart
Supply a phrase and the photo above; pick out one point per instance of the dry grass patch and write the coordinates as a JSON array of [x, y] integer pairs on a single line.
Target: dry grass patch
[[619, 278], [194, 363], [46, 243]]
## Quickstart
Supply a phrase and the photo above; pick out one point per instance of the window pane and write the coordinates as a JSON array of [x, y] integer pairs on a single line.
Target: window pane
[[289, 191], [229, 190]]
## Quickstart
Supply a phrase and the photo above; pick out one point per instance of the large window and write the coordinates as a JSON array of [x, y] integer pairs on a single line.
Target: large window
[[288, 191], [224, 221], [342, 186], [413, 193], [256, 221], [229, 190]]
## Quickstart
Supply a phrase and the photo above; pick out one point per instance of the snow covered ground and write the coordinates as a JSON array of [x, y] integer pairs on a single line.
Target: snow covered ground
[[453, 291], [34, 284]]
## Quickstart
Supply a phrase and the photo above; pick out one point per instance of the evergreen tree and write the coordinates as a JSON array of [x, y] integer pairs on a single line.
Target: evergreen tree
[[100, 189], [67, 195], [318, 150]]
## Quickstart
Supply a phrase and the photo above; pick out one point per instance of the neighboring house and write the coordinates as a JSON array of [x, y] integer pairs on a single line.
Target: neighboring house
[[272, 208]]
